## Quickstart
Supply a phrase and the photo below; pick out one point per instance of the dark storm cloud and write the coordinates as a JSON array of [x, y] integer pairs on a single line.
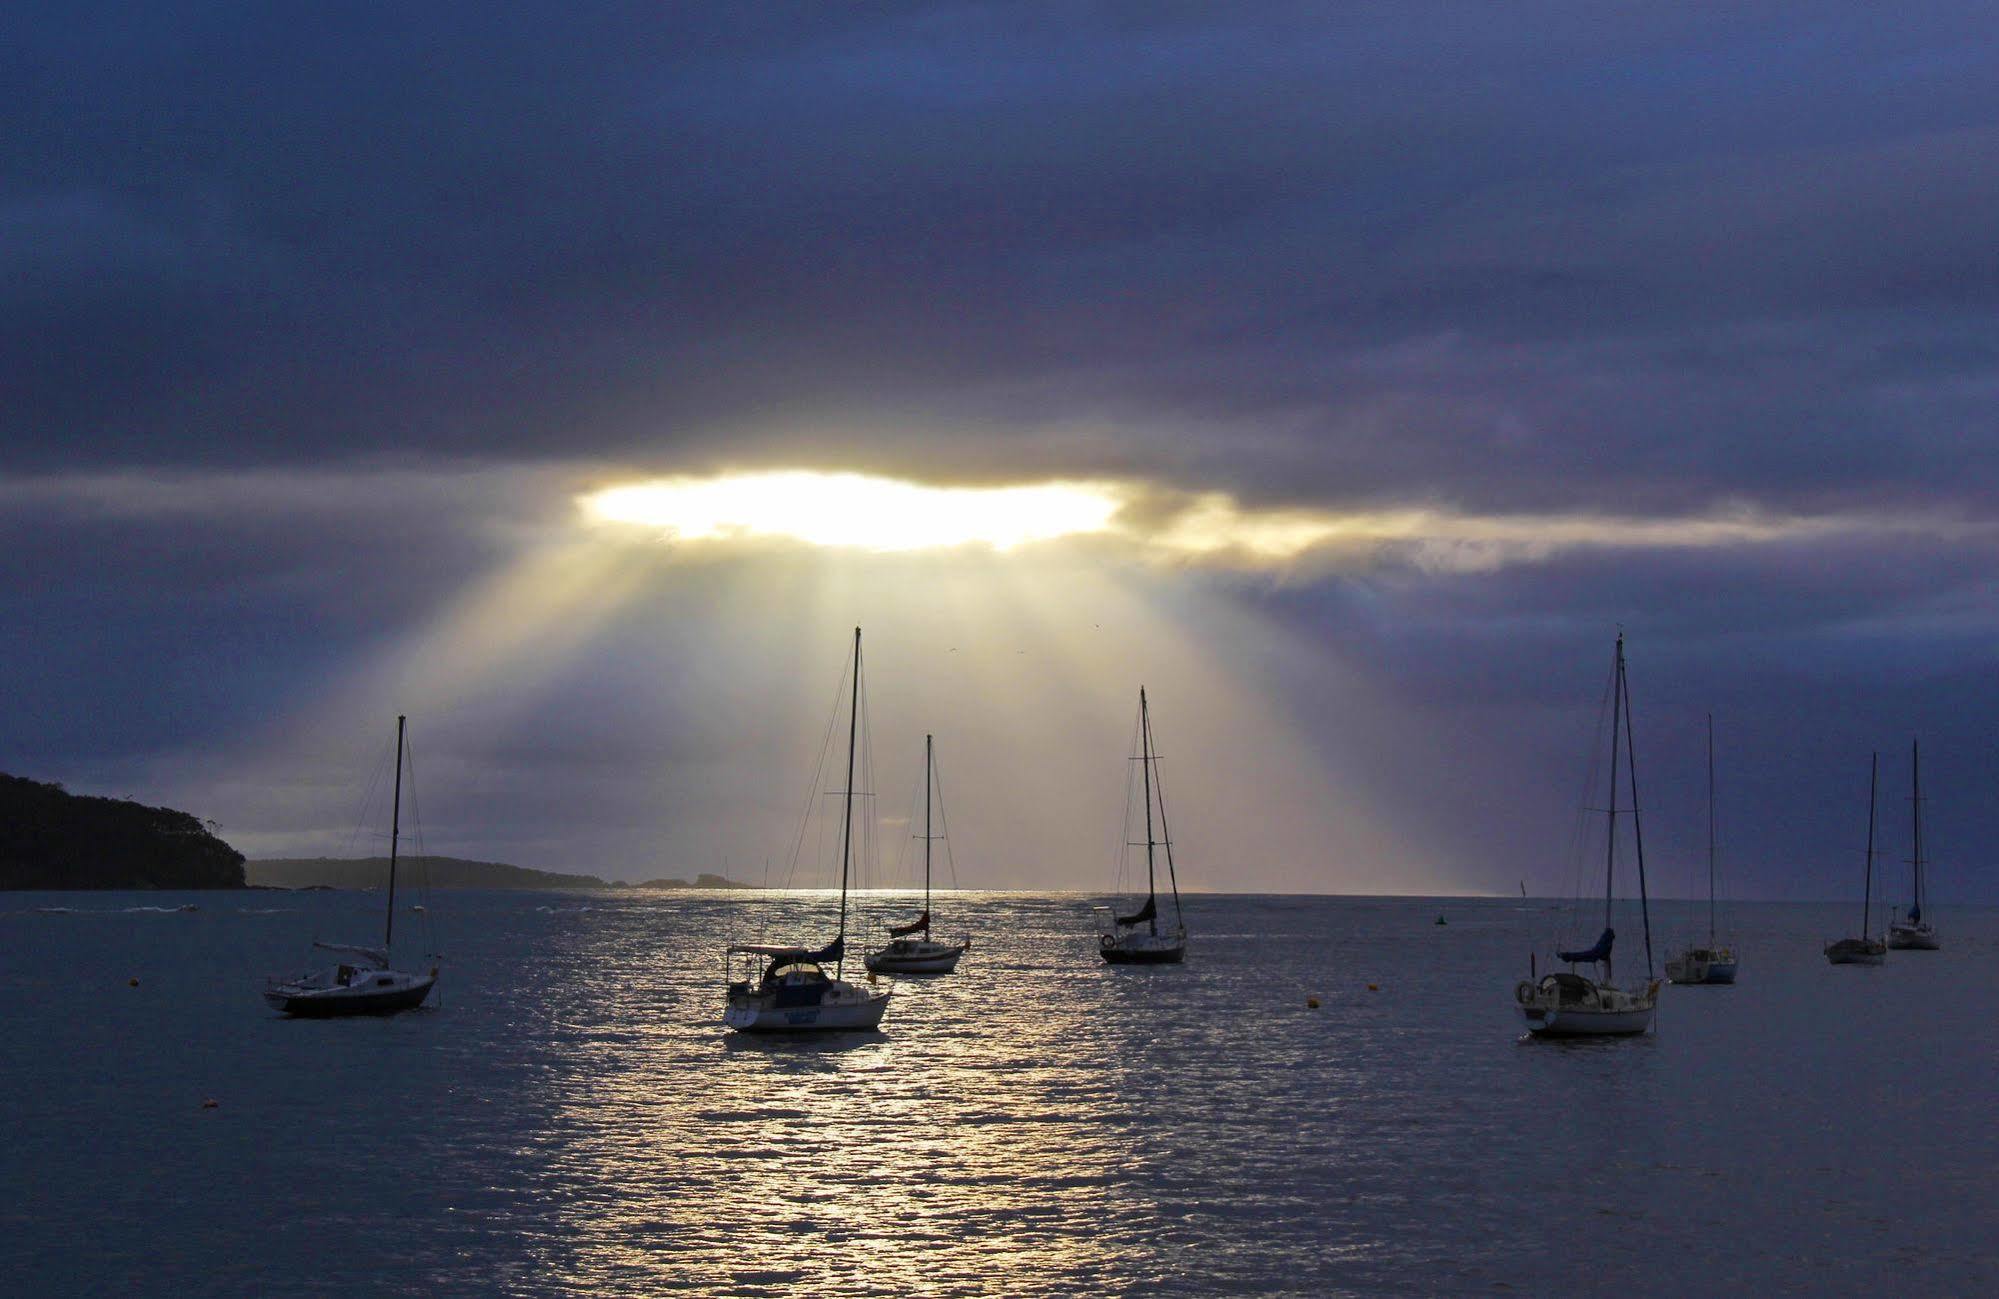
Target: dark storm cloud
[[1446, 254]]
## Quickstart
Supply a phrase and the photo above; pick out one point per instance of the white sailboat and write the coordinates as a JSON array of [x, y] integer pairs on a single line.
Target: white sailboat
[[784, 988], [911, 949], [365, 983], [1568, 1004], [1137, 939], [1864, 950], [1914, 932], [1712, 962]]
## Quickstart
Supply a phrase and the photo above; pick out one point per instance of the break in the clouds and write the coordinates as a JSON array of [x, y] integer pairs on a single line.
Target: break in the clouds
[[1397, 356]]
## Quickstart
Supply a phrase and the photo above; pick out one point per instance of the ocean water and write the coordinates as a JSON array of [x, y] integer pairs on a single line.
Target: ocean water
[[571, 1119]]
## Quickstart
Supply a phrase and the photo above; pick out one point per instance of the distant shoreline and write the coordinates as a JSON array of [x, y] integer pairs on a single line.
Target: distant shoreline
[[447, 873]]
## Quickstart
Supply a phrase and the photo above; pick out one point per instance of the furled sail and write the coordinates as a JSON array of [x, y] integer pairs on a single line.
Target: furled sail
[[1143, 914], [922, 923], [1601, 952]]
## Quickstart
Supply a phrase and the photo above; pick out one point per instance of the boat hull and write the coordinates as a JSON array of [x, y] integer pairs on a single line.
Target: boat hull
[[1906, 938], [919, 958], [1701, 967], [1123, 945], [1856, 951], [1571, 1022], [760, 1014], [335, 1003], [1144, 955]]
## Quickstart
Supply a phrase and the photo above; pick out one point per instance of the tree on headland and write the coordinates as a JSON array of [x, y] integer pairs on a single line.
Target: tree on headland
[[52, 839]]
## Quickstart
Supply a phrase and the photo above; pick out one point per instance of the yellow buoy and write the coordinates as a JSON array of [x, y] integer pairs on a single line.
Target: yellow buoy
[[1311, 1003], [1374, 987], [132, 983], [210, 1103]]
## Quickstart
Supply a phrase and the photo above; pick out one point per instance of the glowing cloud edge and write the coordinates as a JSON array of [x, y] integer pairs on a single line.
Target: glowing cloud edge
[[889, 515]]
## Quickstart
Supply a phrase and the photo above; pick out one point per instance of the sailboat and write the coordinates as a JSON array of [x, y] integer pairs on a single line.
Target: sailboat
[[784, 988], [1137, 939], [907, 953], [364, 983], [1914, 933], [1712, 963], [1863, 950], [1568, 1004]]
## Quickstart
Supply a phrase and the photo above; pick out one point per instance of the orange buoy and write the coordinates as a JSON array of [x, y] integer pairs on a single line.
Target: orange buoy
[[1374, 987], [211, 1103], [132, 982], [1311, 1003]]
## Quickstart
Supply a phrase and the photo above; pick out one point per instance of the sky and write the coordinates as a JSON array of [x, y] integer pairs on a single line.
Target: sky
[[1374, 366]]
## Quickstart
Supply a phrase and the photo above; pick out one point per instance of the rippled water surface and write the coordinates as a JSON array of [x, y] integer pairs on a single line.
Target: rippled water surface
[[571, 1119]]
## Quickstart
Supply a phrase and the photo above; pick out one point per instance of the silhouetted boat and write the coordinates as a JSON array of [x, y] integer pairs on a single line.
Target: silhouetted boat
[[1863, 950], [911, 950], [366, 983], [1712, 963], [1568, 1004], [1137, 939], [784, 988], [1914, 932]]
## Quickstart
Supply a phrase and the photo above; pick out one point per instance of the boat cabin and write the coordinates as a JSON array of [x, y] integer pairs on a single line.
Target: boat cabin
[[1570, 989], [792, 976], [795, 983]]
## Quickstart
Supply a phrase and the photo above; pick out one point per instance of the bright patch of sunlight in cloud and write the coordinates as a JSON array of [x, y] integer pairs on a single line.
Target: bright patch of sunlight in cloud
[[855, 510]]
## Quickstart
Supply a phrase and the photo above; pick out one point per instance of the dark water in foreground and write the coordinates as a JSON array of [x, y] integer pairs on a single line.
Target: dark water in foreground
[[572, 1120]]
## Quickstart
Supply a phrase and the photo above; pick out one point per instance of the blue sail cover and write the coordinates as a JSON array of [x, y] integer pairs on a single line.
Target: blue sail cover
[[1601, 952], [832, 951], [903, 931], [1143, 914]]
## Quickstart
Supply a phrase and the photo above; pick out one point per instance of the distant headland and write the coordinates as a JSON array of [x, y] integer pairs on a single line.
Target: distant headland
[[444, 873], [53, 839]]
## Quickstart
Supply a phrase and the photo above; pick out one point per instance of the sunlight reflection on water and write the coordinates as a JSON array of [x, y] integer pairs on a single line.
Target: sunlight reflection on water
[[573, 1119]]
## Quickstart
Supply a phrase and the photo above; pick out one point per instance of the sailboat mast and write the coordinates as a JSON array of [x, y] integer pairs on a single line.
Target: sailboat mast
[[395, 834], [1166, 839], [1867, 888], [1637, 825], [1610, 839], [1710, 831], [847, 819], [1145, 766], [928, 760]]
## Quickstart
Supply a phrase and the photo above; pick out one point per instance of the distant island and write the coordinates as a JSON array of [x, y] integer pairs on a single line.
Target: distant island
[[443, 873], [53, 839], [703, 881]]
